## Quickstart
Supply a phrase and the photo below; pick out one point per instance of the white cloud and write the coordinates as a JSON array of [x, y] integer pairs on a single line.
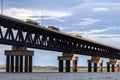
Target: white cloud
[[109, 39], [95, 31], [87, 21], [22, 13], [96, 35], [100, 9]]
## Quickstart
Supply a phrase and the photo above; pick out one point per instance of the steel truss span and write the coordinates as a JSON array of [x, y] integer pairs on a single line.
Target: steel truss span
[[17, 32]]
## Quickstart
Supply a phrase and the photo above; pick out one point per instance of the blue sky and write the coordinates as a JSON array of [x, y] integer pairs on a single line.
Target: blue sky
[[93, 19]]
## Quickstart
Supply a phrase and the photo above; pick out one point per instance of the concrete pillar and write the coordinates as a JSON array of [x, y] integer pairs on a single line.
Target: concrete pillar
[[100, 65], [74, 65], [113, 68], [17, 64], [19, 53], [7, 63], [113, 63], [30, 63], [60, 65], [108, 67], [117, 67], [95, 67], [67, 65], [68, 57], [12, 63], [95, 60], [21, 63], [89, 66], [26, 64]]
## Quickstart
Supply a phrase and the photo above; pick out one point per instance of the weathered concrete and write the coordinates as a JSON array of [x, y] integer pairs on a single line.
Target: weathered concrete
[[67, 57], [114, 65], [95, 60], [60, 76], [19, 59]]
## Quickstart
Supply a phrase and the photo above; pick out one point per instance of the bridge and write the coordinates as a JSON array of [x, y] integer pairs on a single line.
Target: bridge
[[22, 35]]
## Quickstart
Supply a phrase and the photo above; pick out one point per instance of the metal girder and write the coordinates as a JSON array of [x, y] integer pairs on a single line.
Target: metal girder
[[17, 32]]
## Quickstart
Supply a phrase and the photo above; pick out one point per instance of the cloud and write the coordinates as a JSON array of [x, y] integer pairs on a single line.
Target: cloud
[[100, 9], [95, 7], [93, 31], [87, 21], [109, 39], [22, 13], [98, 33], [105, 35]]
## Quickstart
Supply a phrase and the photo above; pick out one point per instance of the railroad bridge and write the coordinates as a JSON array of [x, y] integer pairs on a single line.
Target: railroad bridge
[[22, 35]]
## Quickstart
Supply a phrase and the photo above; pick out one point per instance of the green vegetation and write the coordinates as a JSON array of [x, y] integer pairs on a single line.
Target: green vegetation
[[55, 69], [52, 69]]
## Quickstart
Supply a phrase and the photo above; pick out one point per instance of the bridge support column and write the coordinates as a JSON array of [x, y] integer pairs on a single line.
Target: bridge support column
[[74, 65], [95, 67], [100, 65], [117, 67], [89, 66], [95, 60], [60, 65], [30, 63], [15, 59], [17, 64], [67, 65], [108, 67], [7, 63], [113, 63], [67, 57], [12, 63], [26, 64]]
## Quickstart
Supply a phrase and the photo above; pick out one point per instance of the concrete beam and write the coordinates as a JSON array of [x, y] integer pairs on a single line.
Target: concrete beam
[[67, 58], [95, 61], [67, 54], [19, 53], [95, 58], [112, 61]]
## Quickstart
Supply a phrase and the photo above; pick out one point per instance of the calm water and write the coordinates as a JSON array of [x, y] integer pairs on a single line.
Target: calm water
[[59, 76]]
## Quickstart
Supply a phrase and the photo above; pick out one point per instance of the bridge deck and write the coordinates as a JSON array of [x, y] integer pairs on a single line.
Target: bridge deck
[[25, 34]]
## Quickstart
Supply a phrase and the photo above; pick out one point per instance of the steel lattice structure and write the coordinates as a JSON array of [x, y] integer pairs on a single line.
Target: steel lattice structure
[[20, 33]]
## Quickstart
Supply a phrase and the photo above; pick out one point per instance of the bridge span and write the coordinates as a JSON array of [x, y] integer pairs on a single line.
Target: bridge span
[[22, 35]]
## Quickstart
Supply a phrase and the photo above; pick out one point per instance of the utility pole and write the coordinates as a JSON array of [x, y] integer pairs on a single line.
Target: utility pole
[[42, 18]]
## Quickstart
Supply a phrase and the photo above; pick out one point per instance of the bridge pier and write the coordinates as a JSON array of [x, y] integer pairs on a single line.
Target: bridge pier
[[19, 59], [95, 61], [67, 57], [113, 66]]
